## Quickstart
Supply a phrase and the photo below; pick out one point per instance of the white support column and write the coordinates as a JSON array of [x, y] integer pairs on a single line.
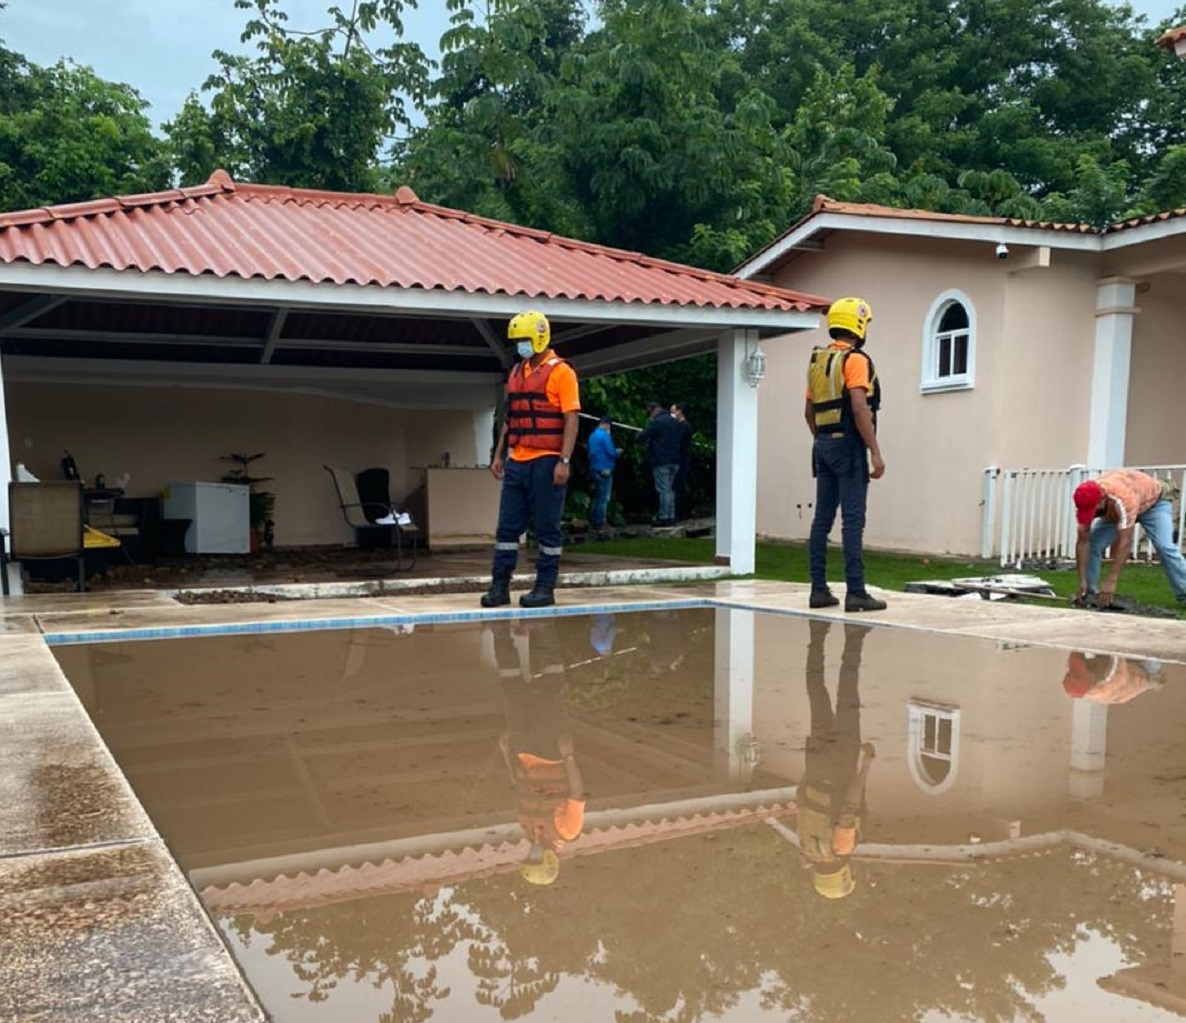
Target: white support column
[[733, 691], [483, 435], [14, 572], [1114, 312], [737, 453], [1089, 749]]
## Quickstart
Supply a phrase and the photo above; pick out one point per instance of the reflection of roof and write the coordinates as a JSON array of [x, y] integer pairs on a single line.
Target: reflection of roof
[[227, 229], [306, 890], [982, 852]]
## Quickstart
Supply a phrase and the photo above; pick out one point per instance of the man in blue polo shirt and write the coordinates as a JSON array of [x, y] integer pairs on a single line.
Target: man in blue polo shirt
[[603, 456]]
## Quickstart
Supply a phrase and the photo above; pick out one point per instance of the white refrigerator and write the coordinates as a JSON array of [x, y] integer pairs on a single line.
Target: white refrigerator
[[219, 514]]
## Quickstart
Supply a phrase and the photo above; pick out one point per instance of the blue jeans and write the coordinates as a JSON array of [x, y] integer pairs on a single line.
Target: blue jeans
[[665, 487], [530, 496], [841, 482], [1158, 524], [604, 487]]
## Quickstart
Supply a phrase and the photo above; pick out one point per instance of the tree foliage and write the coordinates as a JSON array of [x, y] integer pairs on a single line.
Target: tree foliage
[[67, 135], [310, 109]]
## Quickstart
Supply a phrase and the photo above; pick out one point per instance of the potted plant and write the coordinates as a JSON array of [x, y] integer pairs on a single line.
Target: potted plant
[[261, 503]]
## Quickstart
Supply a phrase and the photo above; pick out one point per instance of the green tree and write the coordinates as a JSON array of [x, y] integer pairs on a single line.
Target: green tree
[[67, 135], [311, 109]]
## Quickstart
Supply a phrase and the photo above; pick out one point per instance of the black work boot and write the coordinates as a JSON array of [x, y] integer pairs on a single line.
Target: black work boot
[[862, 602], [499, 594], [822, 598], [541, 595]]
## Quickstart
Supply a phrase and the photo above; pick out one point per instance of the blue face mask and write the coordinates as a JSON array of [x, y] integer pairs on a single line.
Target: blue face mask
[[524, 349]]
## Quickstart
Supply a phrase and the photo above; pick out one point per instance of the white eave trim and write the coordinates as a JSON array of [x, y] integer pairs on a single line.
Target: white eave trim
[[1144, 233], [915, 228], [84, 282]]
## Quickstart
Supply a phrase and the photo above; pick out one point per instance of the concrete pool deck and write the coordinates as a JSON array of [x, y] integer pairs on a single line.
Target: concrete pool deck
[[100, 921]]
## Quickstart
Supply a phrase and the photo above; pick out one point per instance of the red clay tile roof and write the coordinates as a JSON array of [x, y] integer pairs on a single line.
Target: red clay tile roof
[[261, 231], [822, 204], [1167, 40]]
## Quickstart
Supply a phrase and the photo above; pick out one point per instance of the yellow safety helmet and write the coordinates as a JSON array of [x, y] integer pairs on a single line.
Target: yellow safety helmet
[[835, 885], [851, 314], [544, 872], [531, 326]]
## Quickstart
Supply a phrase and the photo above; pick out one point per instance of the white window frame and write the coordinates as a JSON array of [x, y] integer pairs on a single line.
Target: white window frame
[[919, 711], [931, 382]]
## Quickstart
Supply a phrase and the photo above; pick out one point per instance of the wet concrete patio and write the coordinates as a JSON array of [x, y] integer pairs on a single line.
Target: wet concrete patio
[[101, 922]]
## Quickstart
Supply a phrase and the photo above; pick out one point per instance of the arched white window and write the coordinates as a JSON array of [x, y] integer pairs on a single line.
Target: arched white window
[[934, 745], [949, 344]]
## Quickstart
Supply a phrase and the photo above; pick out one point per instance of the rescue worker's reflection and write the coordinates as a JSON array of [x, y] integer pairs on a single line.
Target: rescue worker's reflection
[[831, 795], [537, 745], [1102, 678]]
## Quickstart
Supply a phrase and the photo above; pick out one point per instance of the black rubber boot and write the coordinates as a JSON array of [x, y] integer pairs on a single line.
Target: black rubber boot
[[499, 594], [823, 598], [541, 595], [862, 602]]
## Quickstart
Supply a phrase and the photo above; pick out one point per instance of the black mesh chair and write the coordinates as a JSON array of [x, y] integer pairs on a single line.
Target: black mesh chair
[[363, 514]]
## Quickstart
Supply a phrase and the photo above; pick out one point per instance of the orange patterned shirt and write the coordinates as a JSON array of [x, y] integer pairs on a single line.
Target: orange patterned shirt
[[1129, 493]]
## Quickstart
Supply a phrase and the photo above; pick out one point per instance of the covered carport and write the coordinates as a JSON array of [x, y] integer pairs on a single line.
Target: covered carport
[[358, 302]]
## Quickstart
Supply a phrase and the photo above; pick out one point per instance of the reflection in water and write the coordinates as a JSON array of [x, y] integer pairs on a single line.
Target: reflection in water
[[341, 803], [831, 796], [537, 745], [1106, 679]]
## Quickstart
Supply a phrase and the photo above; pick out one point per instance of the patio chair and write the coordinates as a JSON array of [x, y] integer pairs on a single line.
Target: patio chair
[[46, 523], [366, 518]]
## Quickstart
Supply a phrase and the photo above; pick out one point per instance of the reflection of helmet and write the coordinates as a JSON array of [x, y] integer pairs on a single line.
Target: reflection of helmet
[[835, 885], [531, 326], [544, 872], [850, 314]]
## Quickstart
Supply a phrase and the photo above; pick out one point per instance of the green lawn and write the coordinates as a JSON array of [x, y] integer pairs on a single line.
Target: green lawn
[[788, 561]]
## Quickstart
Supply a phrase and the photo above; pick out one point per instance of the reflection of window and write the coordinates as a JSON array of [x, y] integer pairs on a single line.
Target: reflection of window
[[934, 745], [949, 343]]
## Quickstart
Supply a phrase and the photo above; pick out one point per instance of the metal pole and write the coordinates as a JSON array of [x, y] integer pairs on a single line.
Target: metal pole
[[597, 419]]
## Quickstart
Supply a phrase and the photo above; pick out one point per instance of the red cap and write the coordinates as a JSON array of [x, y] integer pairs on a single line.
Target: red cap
[[1087, 498], [1077, 681]]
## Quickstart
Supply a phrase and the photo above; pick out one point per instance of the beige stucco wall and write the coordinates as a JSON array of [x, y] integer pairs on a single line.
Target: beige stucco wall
[[1032, 327], [1156, 423], [163, 434]]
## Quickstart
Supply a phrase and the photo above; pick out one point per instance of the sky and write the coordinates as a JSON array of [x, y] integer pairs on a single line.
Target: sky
[[163, 47]]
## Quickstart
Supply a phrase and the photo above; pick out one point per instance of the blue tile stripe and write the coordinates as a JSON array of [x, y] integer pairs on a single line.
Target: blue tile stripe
[[362, 622]]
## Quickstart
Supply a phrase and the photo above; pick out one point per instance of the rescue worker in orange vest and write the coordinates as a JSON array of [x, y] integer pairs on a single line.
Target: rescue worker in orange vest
[[831, 794], [537, 746], [532, 457], [843, 395]]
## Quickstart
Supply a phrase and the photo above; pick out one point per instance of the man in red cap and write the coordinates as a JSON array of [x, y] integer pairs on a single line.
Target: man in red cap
[[1108, 509]]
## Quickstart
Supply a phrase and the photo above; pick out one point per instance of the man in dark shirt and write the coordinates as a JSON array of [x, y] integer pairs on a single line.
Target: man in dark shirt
[[662, 437]]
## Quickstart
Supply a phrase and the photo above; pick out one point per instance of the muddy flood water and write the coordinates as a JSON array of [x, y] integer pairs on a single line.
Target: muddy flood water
[[666, 816]]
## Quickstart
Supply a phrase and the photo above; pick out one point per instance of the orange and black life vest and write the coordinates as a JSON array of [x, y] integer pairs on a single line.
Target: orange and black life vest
[[533, 419], [543, 788]]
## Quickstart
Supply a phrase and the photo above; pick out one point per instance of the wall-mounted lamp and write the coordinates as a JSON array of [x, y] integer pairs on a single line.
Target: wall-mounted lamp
[[753, 369]]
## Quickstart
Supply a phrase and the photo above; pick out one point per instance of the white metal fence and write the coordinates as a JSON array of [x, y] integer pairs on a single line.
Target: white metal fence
[[1028, 514]]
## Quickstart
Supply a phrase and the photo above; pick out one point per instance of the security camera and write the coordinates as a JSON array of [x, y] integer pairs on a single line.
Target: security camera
[[1002, 251]]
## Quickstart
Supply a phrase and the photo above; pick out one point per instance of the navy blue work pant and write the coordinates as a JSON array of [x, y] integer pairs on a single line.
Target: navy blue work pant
[[530, 497], [841, 483]]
